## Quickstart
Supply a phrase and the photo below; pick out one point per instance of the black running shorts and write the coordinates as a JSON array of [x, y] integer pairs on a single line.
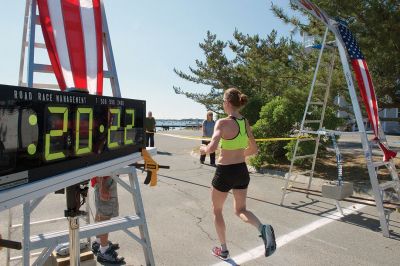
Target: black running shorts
[[232, 176]]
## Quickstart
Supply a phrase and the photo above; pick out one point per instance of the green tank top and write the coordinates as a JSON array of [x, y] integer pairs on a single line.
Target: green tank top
[[240, 141]]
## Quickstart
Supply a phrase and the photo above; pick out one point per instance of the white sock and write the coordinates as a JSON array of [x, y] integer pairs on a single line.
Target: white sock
[[260, 228], [223, 247], [103, 249]]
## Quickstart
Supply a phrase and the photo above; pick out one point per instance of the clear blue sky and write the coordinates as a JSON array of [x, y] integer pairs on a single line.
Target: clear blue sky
[[150, 39]]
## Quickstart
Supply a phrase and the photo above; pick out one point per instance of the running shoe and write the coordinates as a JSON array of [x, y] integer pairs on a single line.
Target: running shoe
[[268, 236], [96, 247], [110, 257], [217, 252]]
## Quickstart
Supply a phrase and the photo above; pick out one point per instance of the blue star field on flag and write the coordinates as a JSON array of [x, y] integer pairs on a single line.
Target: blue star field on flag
[[351, 44]]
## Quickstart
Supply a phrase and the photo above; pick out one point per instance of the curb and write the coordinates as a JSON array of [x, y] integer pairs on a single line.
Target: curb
[[359, 189]]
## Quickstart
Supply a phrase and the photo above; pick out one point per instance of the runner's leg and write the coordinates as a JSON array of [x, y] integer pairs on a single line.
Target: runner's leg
[[239, 205], [218, 198]]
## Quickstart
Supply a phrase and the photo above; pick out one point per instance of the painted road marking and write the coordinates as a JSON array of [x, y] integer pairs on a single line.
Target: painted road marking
[[183, 137], [285, 239]]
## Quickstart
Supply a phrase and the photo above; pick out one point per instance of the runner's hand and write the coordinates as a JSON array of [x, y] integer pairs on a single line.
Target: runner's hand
[[203, 148]]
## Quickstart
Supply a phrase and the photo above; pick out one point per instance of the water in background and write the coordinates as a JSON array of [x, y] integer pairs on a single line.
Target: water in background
[[173, 124]]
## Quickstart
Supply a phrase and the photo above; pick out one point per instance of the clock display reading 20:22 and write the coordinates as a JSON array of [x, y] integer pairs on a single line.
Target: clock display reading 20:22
[[49, 132], [58, 137]]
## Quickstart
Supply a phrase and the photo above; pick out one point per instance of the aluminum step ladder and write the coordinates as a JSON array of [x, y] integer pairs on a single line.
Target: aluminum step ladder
[[48, 242], [314, 103], [379, 189]]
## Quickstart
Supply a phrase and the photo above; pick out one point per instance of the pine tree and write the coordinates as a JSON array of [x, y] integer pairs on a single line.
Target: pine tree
[[262, 68], [376, 26]]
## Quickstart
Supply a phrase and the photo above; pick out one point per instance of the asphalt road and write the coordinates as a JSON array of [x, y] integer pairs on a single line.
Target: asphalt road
[[309, 230]]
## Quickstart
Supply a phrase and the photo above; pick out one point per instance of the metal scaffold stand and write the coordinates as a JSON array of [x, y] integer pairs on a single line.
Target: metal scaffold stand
[[32, 196]]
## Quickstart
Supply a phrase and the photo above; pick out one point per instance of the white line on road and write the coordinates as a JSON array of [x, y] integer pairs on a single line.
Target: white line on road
[[283, 240], [183, 137]]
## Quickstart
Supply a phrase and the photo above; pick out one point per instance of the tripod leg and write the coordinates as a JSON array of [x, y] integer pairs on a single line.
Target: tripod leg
[[72, 213]]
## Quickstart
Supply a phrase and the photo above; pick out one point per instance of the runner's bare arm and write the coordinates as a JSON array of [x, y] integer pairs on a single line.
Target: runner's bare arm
[[252, 148], [213, 145]]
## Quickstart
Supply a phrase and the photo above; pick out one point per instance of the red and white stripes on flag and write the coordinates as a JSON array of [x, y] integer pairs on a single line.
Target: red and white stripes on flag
[[367, 92], [364, 82], [72, 31], [312, 9]]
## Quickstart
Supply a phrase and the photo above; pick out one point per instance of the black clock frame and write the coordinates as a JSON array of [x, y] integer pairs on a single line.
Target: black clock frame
[[18, 166]]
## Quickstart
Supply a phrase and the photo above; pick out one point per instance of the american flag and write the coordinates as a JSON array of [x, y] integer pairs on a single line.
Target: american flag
[[313, 9], [364, 81], [72, 31]]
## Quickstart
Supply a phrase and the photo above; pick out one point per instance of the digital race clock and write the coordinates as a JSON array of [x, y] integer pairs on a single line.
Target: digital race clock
[[44, 133]]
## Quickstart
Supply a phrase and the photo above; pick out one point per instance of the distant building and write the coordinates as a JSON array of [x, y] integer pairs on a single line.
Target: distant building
[[389, 127], [392, 127]]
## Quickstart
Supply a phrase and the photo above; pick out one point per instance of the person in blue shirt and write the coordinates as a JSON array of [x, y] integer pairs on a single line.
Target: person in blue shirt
[[208, 131]]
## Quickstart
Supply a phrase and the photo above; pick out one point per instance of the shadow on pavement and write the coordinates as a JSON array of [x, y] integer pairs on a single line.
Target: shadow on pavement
[[316, 207], [359, 218], [164, 153], [231, 262]]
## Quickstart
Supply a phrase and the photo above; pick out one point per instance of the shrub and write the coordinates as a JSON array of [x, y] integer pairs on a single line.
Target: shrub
[[276, 120], [280, 118]]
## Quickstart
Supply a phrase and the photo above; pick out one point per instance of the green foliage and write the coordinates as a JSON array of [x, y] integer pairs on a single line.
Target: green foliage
[[252, 109], [331, 121], [304, 148], [260, 68], [276, 74], [280, 118], [276, 120], [375, 24]]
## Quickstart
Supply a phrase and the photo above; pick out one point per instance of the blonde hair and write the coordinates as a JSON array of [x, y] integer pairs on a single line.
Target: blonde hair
[[235, 97]]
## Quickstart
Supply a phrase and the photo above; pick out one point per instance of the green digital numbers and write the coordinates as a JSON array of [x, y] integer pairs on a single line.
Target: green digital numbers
[[48, 155], [129, 125], [78, 149], [115, 122], [81, 140]]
